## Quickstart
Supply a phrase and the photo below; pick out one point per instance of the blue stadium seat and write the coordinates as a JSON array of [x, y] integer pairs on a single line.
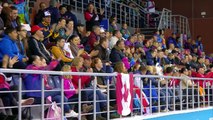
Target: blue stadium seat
[[50, 82], [57, 81]]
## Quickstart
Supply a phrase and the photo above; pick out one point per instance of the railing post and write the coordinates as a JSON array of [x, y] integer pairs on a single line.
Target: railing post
[[79, 99], [94, 98], [19, 98], [108, 99], [62, 97], [42, 97]]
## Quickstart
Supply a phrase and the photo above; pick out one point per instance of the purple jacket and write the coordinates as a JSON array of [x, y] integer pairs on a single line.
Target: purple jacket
[[33, 81], [69, 89]]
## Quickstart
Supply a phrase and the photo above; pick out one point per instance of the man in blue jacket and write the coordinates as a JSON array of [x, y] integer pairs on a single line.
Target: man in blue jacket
[[8, 47]]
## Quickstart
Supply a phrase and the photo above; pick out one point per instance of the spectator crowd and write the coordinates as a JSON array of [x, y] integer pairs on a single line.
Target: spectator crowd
[[58, 42]]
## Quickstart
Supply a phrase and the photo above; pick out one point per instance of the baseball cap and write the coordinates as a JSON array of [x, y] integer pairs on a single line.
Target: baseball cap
[[46, 14], [85, 56], [35, 28]]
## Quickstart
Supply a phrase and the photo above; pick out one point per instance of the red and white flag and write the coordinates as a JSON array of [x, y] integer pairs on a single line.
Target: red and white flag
[[124, 92]]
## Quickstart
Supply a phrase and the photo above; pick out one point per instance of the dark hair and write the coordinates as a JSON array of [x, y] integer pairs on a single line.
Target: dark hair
[[60, 19], [13, 8], [69, 20], [32, 58], [9, 30], [102, 40], [115, 32], [58, 39], [111, 19], [169, 70], [183, 70], [18, 28], [118, 42], [72, 37], [94, 62], [62, 6]]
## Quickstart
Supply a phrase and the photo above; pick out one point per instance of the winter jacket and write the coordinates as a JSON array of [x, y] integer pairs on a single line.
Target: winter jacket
[[92, 20], [116, 55], [68, 85], [58, 52], [33, 81], [9, 47]]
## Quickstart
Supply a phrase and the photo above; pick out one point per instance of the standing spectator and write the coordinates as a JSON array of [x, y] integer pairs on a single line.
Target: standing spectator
[[13, 20], [62, 10], [199, 43], [92, 17], [8, 47], [70, 15], [39, 15], [55, 15]]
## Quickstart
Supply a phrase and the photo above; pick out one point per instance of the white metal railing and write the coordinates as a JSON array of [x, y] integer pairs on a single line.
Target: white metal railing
[[192, 99], [181, 24], [165, 20], [124, 13]]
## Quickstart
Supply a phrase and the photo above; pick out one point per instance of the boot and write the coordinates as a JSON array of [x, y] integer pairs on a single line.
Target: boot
[[87, 108]]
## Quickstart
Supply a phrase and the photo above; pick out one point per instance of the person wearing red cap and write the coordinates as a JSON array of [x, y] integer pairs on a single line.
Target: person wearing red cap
[[35, 44]]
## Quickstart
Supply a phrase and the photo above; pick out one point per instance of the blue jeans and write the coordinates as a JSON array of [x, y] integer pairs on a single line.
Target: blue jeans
[[99, 96], [56, 96]]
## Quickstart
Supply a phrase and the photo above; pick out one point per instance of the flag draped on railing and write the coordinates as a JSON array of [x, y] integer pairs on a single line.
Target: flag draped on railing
[[124, 92]]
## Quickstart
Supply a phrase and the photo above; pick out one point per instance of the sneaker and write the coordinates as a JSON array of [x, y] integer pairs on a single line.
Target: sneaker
[[87, 108], [72, 113], [28, 101]]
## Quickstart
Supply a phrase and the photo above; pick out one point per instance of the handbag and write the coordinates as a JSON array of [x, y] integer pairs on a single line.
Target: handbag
[[54, 112]]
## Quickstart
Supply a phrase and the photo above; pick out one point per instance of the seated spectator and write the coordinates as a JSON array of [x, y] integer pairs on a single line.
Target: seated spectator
[[113, 24], [59, 30], [39, 14], [140, 39], [131, 41], [22, 41], [35, 44], [172, 39], [102, 47], [46, 25], [117, 52], [70, 92], [8, 47], [147, 45], [82, 33], [77, 64], [69, 29], [113, 40], [92, 17], [10, 99], [187, 84], [151, 57], [93, 39], [124, 31], [198, 43], [34, 82], [74, 41], [59, 52], [13, 20]]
